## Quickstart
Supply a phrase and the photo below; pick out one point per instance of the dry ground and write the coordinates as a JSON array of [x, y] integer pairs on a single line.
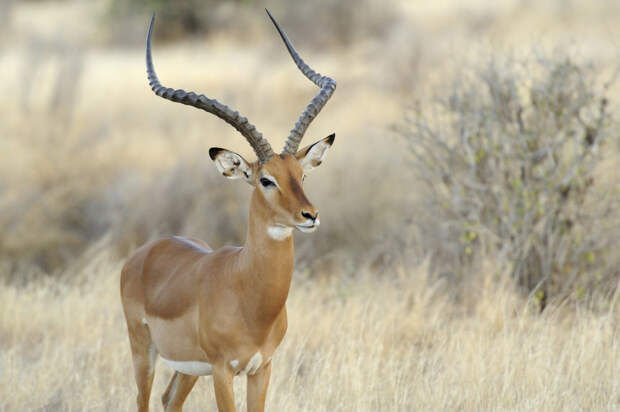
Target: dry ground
[[397, 343], [91, 164]]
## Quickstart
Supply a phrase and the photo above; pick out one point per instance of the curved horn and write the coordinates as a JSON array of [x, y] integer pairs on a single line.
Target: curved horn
[[254, 137], [326, 84]]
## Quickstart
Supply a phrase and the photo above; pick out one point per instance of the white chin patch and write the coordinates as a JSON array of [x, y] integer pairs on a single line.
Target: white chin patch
[[279, 232]]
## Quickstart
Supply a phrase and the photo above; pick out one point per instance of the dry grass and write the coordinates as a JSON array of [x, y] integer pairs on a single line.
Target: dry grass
[[92, 164], [354, 343]]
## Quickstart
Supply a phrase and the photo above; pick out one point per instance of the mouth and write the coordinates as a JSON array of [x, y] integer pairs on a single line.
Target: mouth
[[307, 228]]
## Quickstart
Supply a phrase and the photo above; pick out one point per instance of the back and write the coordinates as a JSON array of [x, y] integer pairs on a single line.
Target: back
[[158, 275]]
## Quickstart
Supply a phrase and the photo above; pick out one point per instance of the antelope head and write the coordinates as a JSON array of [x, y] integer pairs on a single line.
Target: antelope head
[[279, 183], [278, 179]]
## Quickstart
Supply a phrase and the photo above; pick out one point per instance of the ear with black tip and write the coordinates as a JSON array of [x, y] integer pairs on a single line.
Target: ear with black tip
[[214, 151], [312, 156], [231, 164]]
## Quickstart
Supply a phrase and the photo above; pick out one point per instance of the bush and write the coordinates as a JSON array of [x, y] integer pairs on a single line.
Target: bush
[[342, 22], [186, 200], [507, 164], [125, 20]]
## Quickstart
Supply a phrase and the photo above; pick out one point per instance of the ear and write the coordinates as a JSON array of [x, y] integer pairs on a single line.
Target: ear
[[230, 164], [312, 156]]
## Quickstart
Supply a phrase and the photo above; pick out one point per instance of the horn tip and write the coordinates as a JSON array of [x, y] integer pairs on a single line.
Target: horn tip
[[273, 20], [150, 30]]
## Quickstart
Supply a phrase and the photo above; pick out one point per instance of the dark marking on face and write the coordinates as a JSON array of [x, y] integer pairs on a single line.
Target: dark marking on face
[[299, 200], [316, 163], [295, 187], [282, 156]]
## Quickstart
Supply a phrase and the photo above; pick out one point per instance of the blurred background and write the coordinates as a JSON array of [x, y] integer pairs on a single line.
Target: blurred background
[[468, 255], [465, 130]]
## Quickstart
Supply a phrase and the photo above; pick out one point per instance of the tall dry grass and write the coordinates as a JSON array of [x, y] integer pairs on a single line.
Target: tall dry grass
[[396, 343], [354, 343]]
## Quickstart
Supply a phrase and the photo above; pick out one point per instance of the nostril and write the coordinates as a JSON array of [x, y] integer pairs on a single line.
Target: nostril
[[309, 216]]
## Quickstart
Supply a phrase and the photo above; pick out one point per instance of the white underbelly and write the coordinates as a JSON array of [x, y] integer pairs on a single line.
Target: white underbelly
[[193, 368], [178, 339], [197, 368]]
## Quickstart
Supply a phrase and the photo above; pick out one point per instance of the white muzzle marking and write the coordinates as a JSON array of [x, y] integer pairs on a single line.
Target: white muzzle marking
[[309, 227]]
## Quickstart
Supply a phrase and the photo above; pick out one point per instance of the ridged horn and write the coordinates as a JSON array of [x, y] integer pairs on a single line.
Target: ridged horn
[[254, 137], [327, 85]]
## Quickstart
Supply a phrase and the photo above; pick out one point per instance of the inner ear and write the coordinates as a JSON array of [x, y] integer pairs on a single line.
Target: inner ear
[[312, 156], [231, 164]]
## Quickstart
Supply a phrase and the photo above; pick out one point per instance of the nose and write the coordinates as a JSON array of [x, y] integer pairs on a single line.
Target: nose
[[309, 215]]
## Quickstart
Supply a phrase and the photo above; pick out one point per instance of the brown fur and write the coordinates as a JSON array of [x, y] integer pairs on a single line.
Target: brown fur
[[189, 303]]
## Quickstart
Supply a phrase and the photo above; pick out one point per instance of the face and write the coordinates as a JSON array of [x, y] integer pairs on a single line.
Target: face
[[279, 183]]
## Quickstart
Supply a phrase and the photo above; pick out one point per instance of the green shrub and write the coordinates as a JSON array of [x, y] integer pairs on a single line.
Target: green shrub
[[506, 164]]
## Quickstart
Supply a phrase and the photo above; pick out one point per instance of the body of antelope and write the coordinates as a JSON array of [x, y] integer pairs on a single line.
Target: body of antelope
[[223, 312]]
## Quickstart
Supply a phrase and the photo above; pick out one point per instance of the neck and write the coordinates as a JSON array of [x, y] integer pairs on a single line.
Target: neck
[[269, 256]]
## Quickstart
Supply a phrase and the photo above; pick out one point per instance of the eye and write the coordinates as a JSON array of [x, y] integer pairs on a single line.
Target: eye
[[266, 182], [303, 178]]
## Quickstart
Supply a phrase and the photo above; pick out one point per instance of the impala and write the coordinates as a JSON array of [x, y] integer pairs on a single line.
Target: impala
[[222, 312]]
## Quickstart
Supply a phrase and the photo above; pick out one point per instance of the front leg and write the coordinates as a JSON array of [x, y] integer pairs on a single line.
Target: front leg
[[257, 388], [223, 385]]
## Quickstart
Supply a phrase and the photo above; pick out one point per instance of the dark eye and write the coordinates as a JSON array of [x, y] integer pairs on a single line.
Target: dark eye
[[266, 182]]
